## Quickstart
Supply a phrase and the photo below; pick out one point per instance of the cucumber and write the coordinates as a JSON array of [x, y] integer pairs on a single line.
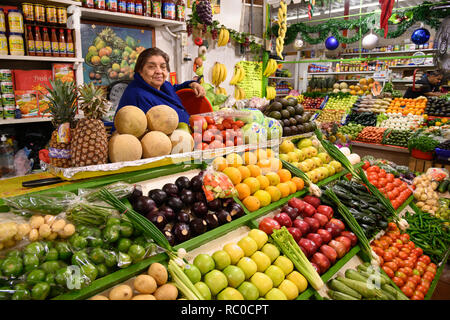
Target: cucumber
[[388, 289], [354, 275], [365, 268], [443, 186], [362, 288], [385, 296], [448, 187], [340, 287], [336, 295], [381, 278]]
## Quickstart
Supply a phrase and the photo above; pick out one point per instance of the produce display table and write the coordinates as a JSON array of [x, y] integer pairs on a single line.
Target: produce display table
[[399, 155]]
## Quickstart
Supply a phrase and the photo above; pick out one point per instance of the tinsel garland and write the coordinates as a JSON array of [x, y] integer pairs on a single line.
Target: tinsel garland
[[421, 13]]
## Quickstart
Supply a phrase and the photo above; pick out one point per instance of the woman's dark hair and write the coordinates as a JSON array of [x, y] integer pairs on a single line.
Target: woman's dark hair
[[146, 54], [435, 73]]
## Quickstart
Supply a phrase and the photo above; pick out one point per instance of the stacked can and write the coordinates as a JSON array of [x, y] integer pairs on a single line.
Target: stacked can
[[8, 102]]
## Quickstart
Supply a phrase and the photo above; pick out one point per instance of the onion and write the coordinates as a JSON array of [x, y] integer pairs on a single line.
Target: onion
[[346, 151], [354, 158]]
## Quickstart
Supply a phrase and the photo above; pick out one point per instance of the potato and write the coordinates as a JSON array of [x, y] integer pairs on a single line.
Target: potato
[[9, 243], [166, 292], [158, 272], [99, 297], [52, 236], [144, 297], [145, 284], [58, 225], [122, 292], [69, 229], [36, 222], [33, 235], [44, 230], [23, 229], [420, 204], [49, 219]]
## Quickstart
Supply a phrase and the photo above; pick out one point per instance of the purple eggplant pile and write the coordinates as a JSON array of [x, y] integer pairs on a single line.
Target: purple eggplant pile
[[180, 210]]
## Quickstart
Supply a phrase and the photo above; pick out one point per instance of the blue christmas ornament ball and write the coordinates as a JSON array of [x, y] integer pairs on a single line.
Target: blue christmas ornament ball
[[331, 43], [420, 36]]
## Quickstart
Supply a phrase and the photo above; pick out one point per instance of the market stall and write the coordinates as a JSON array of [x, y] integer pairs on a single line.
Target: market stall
[[330, 188]]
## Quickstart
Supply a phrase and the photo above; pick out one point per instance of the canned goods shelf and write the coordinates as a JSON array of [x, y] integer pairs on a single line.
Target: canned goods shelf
[[43, 58]]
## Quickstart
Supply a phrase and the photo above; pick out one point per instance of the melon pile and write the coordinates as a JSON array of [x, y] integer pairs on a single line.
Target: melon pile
[[154, 134]]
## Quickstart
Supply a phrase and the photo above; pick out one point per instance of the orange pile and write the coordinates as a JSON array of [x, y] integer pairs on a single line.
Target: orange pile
[[408, 106]]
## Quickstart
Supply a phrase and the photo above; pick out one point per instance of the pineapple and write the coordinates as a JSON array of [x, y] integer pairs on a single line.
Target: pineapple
[[89, 138], [62, 96]]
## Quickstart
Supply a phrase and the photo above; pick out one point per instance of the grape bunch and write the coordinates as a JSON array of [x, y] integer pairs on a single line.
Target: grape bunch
[[204, 12], [189, 29], [214, 34]]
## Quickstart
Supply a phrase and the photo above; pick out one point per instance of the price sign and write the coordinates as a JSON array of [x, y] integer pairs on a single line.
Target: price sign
[[252, 83]]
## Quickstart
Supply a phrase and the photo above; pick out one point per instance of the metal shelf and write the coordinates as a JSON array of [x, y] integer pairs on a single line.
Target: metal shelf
[[38, 58], [282, 78], [51, 2], [413, 66], [24, 120], [386, 52], [339, 73]]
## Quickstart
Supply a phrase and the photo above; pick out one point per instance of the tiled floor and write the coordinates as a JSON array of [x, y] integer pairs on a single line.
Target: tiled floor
[[442, 291]]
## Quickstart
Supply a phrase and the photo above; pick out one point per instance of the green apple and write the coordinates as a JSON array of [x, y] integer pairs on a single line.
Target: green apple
[[284, 157], [248, 266], [235, 276], [287, 146], [275, 294], [230, 294], [258, 235], [262, 260], [262, 282], [304, 143], [234, 251], [222, 259], [300, 154], [285, 264], [216, 281], [248, 245], [193, 273], [271, 251], [204, 290], [275, 274], [248, 290], [204, 262]]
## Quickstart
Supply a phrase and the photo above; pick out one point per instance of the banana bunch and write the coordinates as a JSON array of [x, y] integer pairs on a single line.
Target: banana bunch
[[239, 74], [271, 93], [271, 67], [224, 37], [220, 90], [219, 74], [239, 93], [282, 23]]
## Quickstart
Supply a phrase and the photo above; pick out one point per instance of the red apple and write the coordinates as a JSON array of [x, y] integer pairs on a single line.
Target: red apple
[[329, 252], [290, 211], [314, 201], [216, 145], [346, 241], [333, 228], [351, 236], [339, 223], [339, 247], [316, 238], [209, 136], [283, 219], [323, 219], [322, 261], [308, 210], [296, 233], [313, 224], [297, 204], [210, 120], [316, 267], [326, 236], [326, 210], [309, 246], [304, 251], [302, 225]]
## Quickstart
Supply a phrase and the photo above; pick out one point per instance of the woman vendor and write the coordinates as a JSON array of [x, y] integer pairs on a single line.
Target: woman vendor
[[150, 88], [430, 84]]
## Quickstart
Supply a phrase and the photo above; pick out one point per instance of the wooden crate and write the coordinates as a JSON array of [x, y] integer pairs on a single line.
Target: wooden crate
[[419, 165], [442, 165]]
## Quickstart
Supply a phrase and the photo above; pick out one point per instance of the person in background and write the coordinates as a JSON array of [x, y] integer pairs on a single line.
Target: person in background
[[430, 85], [150, 88]]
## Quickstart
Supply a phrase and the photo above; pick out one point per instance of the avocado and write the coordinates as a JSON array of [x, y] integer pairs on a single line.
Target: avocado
[[275, 115], [285, 103], [286, 123], [298, 118], [275, 106], [294, 130], [286, 131], [300, 128], [299, 109], [293, 121], [292, 101], [291, 111], [306, 117], [285, 114]]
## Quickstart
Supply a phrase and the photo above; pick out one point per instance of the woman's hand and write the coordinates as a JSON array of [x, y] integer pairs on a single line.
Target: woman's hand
[[198, 89]]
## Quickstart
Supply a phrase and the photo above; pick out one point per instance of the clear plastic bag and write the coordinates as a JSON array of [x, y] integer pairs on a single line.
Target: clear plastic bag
[[52, 203], [437, 174], [120, 189], [217, 185]]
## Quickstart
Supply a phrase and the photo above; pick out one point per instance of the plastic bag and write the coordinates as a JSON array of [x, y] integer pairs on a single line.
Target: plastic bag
[[53, 202], [437, 174], [217, 185], [120, 189], [22, 164]]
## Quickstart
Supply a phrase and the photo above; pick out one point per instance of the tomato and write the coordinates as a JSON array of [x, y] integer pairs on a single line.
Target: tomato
[[415, 297], [400, 263], [239, 123], [382, 173], [391, 196], [375, 183], [389, 186], [390, 177], [428, 277], [384, 244], [421, 264], [373, 169], [397, 182], [419, 294], [422, 289], [426, 283], [398, 281], [394, 250], [411, 244], [402, 255], [409, 264], [388, 271], [406, 250], [401, 275], [404, 237], [392, 226], [268, 225], [411, 284], [388, 256], [425, 259], [407, 291], [415, 278], [387, 239], [378, 251], [366, 165], [396, 203], [392, 265], [420, 269], [209, 120], [403, 187], [407, 270], [372, 177]]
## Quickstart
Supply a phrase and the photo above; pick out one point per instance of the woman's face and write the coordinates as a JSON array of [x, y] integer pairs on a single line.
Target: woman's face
[[155, 71]]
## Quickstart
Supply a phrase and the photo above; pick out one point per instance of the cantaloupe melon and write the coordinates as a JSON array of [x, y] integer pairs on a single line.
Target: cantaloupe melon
[[124, 147], [155, 144], [182, 141], [162, 118], [131, 120]]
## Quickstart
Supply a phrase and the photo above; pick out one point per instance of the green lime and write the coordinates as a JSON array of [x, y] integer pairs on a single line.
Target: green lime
[[193, 273], [64, 251], [90, 271], [21, 294], [30, 261], [56, 291], [124, 244], [50, 278], [102, 270], [50, 266], [52, 255], [126, 229], [110, 259], [40, 291], [35, 276], [79, 258], [136, 252], [12, 267], [112, 221], [35, 248], [124, 260], [97, 255], [111, 233], [78, 242], [61, 276], [95, 242], [14, 253]]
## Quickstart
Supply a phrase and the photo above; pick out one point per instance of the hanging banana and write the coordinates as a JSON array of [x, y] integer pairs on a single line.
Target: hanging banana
[[219, 74], [239, 74], [220, 90], [271, 67], [282, 23], [224, 37], [239, 93], [271, 93]]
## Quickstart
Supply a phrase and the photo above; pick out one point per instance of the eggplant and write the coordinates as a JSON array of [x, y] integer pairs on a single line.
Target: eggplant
[[183, 216], [158, 219], [158, 196], [227, 202], [137, 192], [199, 209], [198, 226], [236, 210], [187, 196], [144, 205], [171, 189], [200, 196], [170, 237], [168, 212], [196, 183], [182, 231], [183, 183], [212, 220], [214, 205], [175, 203], [223, 216]]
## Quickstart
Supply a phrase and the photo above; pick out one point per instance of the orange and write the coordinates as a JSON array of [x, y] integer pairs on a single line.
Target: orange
[[261, 154], [284, 189], [219, 164], [251, 203], [264, 164], [245, 172], [243, 190], [234, 160], [250, 158], [285, 175], [270, 153], [264, 182], [299, 183], [275, 194], [263, 197], [234, 174], [275, 164], [254, 170], [253, 183], [292, 186]]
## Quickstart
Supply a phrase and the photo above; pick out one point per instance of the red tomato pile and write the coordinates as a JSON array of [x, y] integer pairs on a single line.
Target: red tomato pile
[[322, 238], [312, 103], [393, 188], [404, 263], [208, 134]]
